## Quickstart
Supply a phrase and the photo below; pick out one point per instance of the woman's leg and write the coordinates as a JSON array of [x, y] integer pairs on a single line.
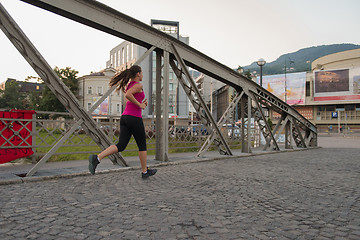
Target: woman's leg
[[143, 158], [138, 131], [110, 150], [136, 126], [124, 139]]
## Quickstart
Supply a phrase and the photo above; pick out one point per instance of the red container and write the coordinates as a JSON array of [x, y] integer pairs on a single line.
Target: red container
[[15, 132]]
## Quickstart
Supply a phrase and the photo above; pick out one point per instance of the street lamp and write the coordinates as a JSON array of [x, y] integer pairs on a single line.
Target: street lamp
[[261, 62], [290, 62]]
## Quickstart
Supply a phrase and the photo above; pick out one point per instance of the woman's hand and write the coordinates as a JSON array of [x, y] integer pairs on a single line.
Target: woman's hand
[[144, 104]]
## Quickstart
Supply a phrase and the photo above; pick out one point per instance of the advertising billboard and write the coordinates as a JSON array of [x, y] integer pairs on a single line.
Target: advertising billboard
[[332, 81], [103, 108], [294, 83], [337, 85]]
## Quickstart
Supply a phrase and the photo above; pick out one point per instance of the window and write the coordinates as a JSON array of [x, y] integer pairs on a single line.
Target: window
[[99, 91], [89, 90], [171, 99], [321, 108], [119, 58], [123, 56], [132, 51], [330, 108], [117, 107], [89, 106], [127, 53], [111, 60], [308, 89], [349, 107], [340, 108]]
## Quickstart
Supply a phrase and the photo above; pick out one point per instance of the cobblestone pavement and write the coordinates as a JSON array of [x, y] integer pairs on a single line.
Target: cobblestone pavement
[[292, 195]]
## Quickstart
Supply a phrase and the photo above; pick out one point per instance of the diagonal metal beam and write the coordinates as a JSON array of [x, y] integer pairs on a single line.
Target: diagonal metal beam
[[265, 123], [47, 74], [208, 117], [283, 125], [276, 128], [65, 96], [51, 152], [98, 102], [210, 139], [300, 140]]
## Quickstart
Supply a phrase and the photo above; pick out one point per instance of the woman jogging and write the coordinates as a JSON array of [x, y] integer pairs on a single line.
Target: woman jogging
[[131, 122]]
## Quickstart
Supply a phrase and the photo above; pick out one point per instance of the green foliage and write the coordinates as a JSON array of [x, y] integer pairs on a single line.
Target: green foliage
[[11, 97], [48, 100]]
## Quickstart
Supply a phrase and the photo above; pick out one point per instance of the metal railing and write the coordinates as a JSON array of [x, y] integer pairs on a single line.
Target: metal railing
[[184, 136]]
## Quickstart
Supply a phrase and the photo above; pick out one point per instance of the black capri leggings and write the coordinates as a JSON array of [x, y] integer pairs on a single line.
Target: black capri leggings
[[131, 125]]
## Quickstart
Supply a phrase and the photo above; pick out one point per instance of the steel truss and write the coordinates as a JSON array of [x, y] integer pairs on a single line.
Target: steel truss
[[197, 101], [253, 98]]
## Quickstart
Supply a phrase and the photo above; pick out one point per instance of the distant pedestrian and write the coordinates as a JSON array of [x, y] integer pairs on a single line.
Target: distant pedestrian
[[131, 122]]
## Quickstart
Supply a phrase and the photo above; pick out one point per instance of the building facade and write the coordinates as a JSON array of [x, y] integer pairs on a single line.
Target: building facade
[[328, 96], [25, 86], [126, 54], [335, 91], [93, 86]]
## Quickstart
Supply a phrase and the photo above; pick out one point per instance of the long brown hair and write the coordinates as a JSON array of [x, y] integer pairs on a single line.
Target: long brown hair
[[123, 77]]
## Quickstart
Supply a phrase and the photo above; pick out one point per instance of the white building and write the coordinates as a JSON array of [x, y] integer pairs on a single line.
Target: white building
[[93, 86]]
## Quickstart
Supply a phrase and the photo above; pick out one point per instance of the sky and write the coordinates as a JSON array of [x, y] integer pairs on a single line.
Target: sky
[[233, 32]]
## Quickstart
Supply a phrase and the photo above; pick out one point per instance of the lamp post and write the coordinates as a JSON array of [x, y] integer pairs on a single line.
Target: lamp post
[[290, 62], [261, 62]]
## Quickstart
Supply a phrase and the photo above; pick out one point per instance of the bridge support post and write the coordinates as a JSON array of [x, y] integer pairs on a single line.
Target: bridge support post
[[162, 102]]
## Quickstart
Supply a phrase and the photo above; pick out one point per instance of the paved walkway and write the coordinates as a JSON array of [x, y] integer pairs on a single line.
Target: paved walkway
[[310, 194]]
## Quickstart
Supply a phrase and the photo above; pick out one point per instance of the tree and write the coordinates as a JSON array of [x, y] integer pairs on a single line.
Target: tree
[[11, 97], [49, 101]]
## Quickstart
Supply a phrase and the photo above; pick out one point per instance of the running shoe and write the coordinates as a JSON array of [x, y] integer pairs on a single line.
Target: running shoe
[[148, 173], [93, 162]]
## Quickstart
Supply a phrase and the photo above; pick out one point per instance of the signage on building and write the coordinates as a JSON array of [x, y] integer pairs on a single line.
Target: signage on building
[[337, 85], [103, 109], [334, 114], [306, 112], [293, 83]]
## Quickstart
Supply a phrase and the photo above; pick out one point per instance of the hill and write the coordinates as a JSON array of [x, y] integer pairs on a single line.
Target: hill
[[299, 61]]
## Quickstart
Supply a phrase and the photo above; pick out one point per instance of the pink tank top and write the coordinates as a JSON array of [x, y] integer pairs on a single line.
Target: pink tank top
[[130, 108]]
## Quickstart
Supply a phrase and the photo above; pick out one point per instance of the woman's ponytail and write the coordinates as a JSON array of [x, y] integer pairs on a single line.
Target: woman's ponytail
[[122, 79]]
